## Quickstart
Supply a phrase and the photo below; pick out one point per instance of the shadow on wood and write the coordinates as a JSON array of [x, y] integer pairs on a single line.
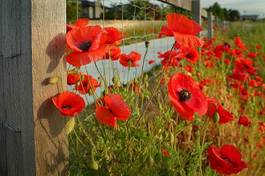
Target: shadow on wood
[[55, 50]]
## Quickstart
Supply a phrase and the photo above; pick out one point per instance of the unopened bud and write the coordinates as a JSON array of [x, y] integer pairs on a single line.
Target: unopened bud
[[54, 80], [147, 44]]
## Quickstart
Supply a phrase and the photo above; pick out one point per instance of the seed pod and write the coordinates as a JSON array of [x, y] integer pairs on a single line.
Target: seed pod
[[54, 80], [93, 165], [70, 125], [150, 161], [147, 43], [216, 117]]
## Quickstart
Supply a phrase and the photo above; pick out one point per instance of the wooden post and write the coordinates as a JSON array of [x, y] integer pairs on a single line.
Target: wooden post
[[196, 10], [210, 24], [32, 137]]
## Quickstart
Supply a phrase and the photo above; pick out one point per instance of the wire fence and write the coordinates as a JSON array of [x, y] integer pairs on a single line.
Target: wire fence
[[139, 21]]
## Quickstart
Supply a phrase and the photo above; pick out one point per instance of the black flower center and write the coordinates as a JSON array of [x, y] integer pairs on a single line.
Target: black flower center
[[229, 161], [66, 107], [184, 95], [189, 55], [85, 45]]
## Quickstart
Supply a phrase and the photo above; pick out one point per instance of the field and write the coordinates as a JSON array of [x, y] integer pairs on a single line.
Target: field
[[155, 140]]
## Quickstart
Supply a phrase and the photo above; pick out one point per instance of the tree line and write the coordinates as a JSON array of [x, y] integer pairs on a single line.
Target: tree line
[[224, 13], [144, 9]]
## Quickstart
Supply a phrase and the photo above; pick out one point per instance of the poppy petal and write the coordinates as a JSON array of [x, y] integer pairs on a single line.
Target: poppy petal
[[68, 103], [118, 106], [105, 117], [188, 40], [182, 24]]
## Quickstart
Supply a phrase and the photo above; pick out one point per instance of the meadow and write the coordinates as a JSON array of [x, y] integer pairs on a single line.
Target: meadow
[[157, 139]]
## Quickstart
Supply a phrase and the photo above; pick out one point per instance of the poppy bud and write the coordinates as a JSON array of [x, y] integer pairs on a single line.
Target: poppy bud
[[147, 44], [172, 139], [150, 161], [70, 125], [116, 81], [93, 164], [216, 117], [54, 80]]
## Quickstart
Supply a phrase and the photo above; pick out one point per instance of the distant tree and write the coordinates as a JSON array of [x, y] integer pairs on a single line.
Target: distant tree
[[223, 13], [71, 10], [234, 15]]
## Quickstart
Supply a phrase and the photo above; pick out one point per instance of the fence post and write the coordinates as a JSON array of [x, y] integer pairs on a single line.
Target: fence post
[[210, 24], [32, 137], [196, 10]]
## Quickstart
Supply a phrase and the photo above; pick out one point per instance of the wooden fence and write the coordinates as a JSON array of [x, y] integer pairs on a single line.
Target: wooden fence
[[32, 135]]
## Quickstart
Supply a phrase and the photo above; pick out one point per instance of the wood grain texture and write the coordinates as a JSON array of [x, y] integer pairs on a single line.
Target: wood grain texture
[[32, 138], [48, 46], [16, 113]]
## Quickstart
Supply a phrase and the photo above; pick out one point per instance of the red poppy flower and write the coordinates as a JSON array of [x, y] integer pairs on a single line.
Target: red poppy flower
[[262, 126], [87, 84], [191, 54], [243, 93], [165, 152], [88, 44], [227, 61], [186, 96], [261, 143], [204, 83], [224, 115], [170, 58], [214, 107], [130, 59], [68, 103], [113, 53], [189, 68], [239, 43], [244, 120], [150, 62], [72, 78], [218, 51], [81, 22], [114, 108], [258, 46], [183, 29], [245, 65], [226, 159], [236, 53], [114, 36], [252, 55]]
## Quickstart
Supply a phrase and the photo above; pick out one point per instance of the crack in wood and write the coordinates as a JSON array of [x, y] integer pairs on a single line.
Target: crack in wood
[[12, 56], [10, 127]]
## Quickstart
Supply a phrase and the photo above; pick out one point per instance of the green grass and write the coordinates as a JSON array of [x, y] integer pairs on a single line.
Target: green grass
[[135, 147]]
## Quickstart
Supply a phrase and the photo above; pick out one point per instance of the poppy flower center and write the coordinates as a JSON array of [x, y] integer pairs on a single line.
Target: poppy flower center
[[85, 45], [189, 55], [229, 161], [66, 107], [184, 95]]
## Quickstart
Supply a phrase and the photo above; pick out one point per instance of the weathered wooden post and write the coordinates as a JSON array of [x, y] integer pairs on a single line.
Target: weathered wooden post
[[196, 10], [210, 24], [32, 137]]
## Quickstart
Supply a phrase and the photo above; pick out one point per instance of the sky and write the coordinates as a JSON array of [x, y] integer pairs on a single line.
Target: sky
[[244, 6]]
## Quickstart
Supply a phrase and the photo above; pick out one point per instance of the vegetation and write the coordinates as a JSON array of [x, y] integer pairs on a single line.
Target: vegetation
[[155, 140], [223, 13]]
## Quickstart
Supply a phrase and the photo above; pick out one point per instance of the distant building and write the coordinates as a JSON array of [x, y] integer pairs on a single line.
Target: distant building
[[249, 17], [92, 9]]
